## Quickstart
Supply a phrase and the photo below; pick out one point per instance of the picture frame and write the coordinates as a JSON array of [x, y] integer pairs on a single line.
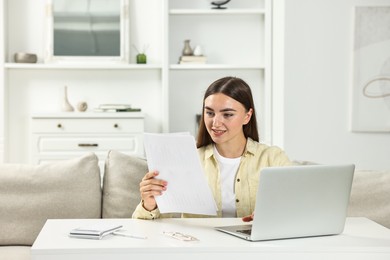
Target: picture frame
[[371, 69], [87, 31]]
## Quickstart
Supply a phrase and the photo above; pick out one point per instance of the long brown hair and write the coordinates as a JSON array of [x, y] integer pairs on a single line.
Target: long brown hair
[[239, 90]]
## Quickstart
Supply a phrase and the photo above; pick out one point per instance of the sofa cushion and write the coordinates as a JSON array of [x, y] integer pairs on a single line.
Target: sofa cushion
[[122, 176], [15, 252], [31, 194], [370, 196]]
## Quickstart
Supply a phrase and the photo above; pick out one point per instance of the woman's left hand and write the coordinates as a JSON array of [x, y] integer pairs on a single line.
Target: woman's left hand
[[248, 218]]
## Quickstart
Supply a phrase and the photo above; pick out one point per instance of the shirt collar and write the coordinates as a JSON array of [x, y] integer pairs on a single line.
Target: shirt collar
[[249, 149]]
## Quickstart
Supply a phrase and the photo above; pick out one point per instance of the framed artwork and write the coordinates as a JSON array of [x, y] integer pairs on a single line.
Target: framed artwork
[[371, 69]]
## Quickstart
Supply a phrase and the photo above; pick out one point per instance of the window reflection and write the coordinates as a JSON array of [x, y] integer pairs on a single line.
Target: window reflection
[[86, 28]]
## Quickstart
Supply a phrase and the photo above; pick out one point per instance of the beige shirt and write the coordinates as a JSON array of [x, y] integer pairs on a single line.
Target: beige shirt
[[255, 157]]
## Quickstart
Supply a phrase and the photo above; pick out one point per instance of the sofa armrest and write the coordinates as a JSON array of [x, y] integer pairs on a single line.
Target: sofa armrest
[[370, 196]]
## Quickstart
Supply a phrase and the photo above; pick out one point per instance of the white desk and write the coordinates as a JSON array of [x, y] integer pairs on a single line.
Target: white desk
[[362, 239]]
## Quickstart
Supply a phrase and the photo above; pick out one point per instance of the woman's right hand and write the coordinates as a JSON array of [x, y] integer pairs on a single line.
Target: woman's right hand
[[151, 187]]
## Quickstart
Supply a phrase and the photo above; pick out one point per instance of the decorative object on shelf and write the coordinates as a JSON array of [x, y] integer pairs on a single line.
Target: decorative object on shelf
[[198, 50], [82, 106], [192, 56], [141, 56], [66, 106], [192, 59], [22, 57], [187, 50], [116, 108], [218, 4]]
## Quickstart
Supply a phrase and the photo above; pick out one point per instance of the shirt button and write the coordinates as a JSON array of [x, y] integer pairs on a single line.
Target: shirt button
[[238, 180], [237, 200]]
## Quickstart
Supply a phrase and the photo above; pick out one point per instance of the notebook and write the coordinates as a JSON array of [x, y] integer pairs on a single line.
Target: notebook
[[298, 201], [94, 231]]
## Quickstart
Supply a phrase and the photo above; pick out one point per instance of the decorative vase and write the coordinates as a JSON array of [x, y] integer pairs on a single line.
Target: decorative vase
[[141, 58], [198, 50], [66, 106], [187, 50]]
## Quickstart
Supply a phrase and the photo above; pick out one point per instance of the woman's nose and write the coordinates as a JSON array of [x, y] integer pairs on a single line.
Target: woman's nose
[[217, 121]]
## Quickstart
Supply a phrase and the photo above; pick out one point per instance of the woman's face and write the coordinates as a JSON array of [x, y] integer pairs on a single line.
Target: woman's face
[[224, 118]]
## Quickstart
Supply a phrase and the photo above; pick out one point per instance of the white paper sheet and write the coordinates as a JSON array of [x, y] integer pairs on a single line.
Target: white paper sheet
[[176, 159]]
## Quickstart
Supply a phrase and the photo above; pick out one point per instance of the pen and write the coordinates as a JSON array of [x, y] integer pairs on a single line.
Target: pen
[[128, 235]]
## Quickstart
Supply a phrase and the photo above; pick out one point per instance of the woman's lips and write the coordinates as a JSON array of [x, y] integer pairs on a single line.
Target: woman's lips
[[218, 132]]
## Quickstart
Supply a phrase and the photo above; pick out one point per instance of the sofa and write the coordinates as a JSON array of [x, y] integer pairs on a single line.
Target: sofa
[[31, 194]]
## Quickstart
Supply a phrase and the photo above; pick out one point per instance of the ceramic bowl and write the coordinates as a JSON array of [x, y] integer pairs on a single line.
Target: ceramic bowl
[[21, 57]]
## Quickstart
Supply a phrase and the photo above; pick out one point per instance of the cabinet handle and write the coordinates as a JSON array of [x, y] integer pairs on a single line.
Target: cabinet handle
[[88, 145], [116, 125]]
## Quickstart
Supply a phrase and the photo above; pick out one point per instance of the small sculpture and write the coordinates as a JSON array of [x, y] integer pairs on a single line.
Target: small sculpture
[[82, 106], [198, 50], [219, 4]]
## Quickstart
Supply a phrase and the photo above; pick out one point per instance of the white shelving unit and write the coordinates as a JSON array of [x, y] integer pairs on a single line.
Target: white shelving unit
[[89, 66], [236, 41]]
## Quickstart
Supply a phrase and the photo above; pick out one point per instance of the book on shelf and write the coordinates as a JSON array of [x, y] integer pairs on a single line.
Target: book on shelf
[[192, 59], [116, 108]]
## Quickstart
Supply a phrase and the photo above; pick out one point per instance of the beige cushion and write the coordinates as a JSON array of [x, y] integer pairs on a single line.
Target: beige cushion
[[122, 176], [370, 196], [15, 252], [31, 194]]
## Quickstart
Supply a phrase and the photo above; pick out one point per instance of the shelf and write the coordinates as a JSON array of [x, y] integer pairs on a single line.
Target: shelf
[[215, 12], [89, 115], [81, 65], [213, 66]]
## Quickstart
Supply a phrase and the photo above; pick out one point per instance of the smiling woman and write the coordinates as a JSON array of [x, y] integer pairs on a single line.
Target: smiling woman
[[87, 30], [229, 151]]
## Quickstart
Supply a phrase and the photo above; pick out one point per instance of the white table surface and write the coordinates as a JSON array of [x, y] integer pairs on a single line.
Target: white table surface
[[361, 239]]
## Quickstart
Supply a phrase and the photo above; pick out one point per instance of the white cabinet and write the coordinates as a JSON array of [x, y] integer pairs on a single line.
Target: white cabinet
[[66, 135]]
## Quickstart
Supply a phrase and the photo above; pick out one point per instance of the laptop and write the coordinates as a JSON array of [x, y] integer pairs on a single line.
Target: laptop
[[298, 201]]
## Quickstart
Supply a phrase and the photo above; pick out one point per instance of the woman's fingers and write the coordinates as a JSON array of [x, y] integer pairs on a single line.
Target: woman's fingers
[[151, 187], [150, 175], [248, 218]]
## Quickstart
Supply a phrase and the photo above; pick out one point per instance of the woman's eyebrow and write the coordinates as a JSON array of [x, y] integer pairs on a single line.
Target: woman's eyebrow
[[222, 110], [228, 109]]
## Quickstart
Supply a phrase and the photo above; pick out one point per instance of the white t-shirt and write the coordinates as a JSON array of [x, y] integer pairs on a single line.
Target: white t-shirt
[[228, 169]]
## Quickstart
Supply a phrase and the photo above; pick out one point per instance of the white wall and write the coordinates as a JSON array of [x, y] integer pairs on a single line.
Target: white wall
[[2, 74], [317, 76]]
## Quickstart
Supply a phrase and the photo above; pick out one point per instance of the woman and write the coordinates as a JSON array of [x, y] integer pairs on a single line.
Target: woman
[[229, 150]]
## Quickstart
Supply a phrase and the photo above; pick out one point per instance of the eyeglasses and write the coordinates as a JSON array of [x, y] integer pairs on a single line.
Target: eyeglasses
[[180, 236]]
